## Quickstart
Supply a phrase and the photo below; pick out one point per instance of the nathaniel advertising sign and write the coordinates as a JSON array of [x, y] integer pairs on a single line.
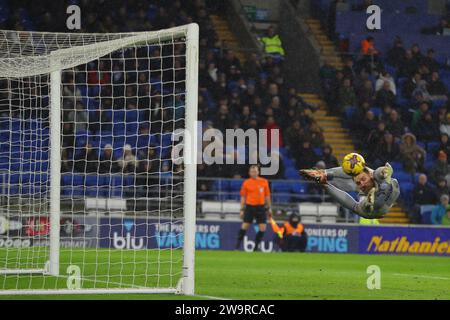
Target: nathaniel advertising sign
[[404, 240]]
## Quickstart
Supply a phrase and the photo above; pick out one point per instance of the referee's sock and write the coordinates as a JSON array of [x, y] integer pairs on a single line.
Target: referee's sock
[[241, 235], [258, 238]]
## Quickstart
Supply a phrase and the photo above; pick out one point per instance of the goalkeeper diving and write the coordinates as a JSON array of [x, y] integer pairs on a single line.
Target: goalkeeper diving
[[378, 191]]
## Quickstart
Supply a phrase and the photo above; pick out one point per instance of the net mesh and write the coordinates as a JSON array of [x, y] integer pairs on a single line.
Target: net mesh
[[122, 97]]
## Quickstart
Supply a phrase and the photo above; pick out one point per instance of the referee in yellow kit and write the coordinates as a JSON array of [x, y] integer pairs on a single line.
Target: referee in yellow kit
[[255, 205]]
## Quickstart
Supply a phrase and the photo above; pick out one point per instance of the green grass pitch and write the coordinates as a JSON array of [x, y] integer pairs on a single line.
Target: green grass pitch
[[241, 275]]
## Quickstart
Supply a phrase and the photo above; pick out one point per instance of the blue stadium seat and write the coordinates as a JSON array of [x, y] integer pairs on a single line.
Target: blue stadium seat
[[281, 198], [299, 188], [406, 191], [118, 116], [396, 165], [119, 129], [402, 176], [350, 112], [376, 111], [281, 187], [291, 173]]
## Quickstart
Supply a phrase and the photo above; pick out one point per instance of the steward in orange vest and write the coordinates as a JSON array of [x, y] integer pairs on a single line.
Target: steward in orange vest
[[291, 236]]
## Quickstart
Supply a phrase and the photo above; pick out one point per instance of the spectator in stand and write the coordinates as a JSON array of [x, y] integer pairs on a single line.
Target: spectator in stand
[[442, 187], [444, 145], [419, 114], [444, 126], [367, 124], [252, 66], [294, 134], [368, 46], [385, 95], [99, 74], [347, 97], [423, 192], [416, 53], [408, 66], [412, 155], [328, 158], [411, 84], [150, 162], [86, 160], [370, 60], [440, 168], [305, 156], [427, 128], [127, 163], [270, 126], [386, 113], [107, 162], [66, 161], [272, 43], [228, 62], [436, 87], [349, 70], [395, 125], [223, 119], [440, 215], [439, 29], [396, 54], [366, 93], [386, 151], [316, 135], [430, 61], [376, 136], [381, 82]]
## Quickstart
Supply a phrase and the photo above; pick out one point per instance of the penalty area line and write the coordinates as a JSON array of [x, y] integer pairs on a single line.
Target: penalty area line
[[421, 276]]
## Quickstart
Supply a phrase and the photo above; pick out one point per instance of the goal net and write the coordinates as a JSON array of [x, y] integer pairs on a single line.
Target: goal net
[[91, 197]]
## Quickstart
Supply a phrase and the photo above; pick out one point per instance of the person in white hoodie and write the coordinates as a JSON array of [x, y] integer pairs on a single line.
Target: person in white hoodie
[[382, 78], [128, 160]]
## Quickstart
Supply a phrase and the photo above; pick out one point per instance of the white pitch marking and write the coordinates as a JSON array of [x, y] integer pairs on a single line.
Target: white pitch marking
[[420, 276]]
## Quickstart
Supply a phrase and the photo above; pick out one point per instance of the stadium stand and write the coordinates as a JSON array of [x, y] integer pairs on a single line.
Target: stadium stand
[[248, 91]]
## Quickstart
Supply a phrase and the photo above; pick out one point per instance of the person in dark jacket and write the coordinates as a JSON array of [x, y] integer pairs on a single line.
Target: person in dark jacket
[[442, 188], [328, 158], [107, 162], [423, 193], [305, 156], [386, 151], [86, 161]]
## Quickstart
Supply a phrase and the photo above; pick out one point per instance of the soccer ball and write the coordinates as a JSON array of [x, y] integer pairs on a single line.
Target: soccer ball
[[353, 164]]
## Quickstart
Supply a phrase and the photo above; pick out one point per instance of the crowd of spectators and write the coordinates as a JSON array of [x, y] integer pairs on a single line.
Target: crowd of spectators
[[232, 93], [396, 107]]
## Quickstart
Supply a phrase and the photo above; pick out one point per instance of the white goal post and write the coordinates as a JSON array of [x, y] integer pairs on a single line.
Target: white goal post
[[91, 199]]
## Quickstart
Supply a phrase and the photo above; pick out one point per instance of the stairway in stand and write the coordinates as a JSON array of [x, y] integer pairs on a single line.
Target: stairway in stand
[[226, 36]]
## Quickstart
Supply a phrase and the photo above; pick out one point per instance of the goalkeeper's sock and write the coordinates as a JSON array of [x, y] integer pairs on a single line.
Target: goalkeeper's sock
[[241, 235], [258, 238]]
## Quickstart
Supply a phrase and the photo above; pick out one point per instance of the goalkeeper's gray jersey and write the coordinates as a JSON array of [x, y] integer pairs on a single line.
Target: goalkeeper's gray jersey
[[385, 194]]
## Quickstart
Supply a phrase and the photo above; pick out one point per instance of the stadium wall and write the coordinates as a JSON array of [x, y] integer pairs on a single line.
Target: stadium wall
[[142, 233]]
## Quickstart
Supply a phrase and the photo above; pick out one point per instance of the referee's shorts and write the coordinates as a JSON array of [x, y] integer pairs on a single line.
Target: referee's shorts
[[257, 213]]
